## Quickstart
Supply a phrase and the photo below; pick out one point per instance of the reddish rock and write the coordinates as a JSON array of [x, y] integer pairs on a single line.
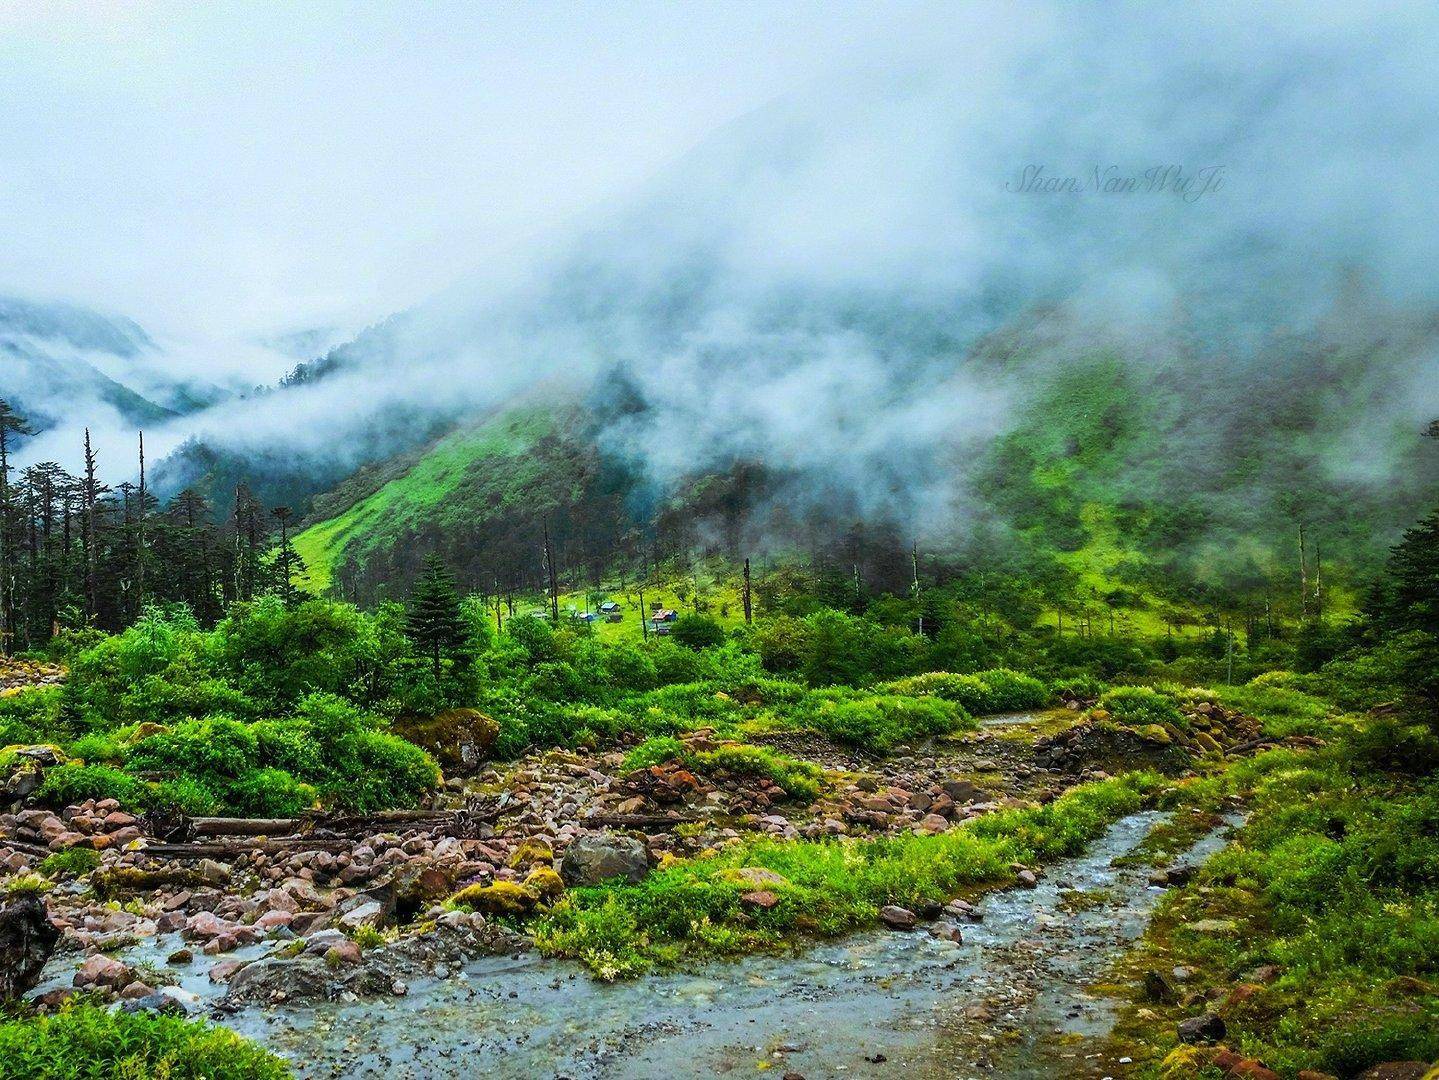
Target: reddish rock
[[760, 898], [222, 971], [102, 970], [343, 952]]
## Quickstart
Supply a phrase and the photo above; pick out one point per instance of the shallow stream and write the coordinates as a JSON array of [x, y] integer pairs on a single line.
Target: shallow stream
[[1011, 1001]]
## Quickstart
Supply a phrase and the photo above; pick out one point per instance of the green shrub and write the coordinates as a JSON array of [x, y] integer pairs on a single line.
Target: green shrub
[[72, 783], [1011, 691], [655, 751], [882, 721], [799, 779], [75, 862], [1078, 686], [1140, 705], [186, 794], [696, 632], [90, 1043], [31, 716], [269, 793], [982, 694]]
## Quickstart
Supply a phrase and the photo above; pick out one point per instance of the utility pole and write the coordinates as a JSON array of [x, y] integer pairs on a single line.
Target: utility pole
[[748, 609], [644, 622]]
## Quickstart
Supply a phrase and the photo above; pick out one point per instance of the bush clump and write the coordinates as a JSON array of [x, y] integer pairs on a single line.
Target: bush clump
[[800, 780], [1137, 706], [89, 1043]]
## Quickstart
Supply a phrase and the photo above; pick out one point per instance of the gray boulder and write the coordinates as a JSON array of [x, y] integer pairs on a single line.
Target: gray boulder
[[592, 859]]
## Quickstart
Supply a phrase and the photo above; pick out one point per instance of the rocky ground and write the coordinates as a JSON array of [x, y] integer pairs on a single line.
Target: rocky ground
[[324, 910]]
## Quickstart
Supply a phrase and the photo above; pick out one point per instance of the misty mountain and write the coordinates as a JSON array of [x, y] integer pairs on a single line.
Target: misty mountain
[[873, 309], [64, 364]]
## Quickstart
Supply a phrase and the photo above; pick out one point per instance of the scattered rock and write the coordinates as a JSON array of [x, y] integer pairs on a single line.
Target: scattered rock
[[102, 970], [590, 860], [896, 917], [1209, 1027]]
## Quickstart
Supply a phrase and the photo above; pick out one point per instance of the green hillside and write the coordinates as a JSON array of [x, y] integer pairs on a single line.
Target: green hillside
[[500, 466], [1149, 499]]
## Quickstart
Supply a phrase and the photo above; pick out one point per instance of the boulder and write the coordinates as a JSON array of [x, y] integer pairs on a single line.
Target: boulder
[[459, 739], [1209, 1027], [501, 898], [590, 860], [545, 883], [27, 938], [102, 970], [896, 917], [962, 791]]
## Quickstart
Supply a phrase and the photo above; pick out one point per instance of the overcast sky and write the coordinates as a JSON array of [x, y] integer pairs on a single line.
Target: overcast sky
[[231, 170]]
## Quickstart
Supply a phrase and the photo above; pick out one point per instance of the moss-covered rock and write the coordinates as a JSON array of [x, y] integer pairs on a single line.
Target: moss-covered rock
[[501, 898], [459, 739], [532, 852], [545, 883]]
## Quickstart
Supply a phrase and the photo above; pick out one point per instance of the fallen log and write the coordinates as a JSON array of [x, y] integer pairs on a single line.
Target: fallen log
[[638, 821], [28, 847], [218, 826], [259, 845], [347, 824]]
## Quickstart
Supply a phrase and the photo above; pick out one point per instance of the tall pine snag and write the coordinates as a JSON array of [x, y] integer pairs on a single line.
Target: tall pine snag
[[434, 619]]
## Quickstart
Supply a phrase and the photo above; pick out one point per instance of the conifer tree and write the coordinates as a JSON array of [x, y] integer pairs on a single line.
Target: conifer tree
[[435, 621], [288, 564], [11, 424]]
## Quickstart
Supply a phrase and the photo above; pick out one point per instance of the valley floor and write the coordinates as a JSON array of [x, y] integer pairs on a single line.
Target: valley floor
[[335, 947]]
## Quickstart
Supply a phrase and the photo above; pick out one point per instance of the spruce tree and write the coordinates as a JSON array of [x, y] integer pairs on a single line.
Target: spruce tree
[[11, 424], [434, 620]]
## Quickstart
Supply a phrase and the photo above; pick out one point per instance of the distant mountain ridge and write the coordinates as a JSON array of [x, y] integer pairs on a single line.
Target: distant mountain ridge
[[60, 363]]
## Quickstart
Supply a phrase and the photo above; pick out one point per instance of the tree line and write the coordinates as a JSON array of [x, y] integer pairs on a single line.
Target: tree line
[[76, 552]]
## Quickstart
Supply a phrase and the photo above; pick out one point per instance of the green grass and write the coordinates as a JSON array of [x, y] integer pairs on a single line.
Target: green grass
[[446, 482], [90, 1043], [692, 911], [1335, 880]]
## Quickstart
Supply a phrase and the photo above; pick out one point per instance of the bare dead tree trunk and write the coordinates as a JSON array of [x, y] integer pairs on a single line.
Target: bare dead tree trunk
[[140, 535], [914, 572], [1303, 578], [553, 578]]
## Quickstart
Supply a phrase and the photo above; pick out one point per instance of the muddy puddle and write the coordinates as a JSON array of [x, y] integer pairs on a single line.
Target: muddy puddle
[[1010, 1001]]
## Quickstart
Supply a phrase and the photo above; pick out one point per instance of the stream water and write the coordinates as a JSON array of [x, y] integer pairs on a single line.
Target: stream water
[[1012, 1000]]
